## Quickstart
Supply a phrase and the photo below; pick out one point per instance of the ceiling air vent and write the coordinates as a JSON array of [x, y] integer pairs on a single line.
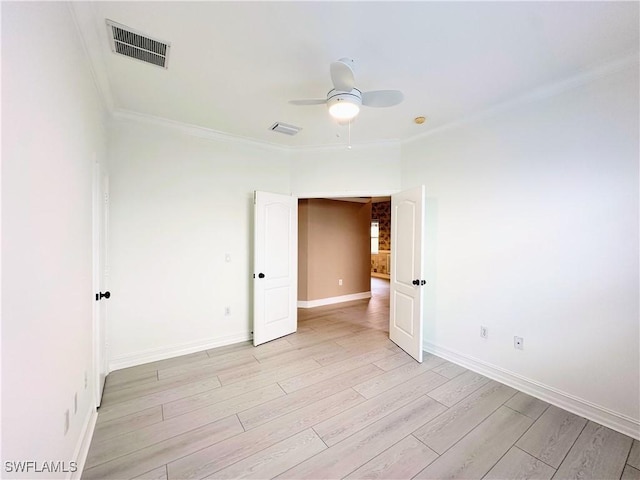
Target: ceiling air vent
[[126, 41], [284, 128]]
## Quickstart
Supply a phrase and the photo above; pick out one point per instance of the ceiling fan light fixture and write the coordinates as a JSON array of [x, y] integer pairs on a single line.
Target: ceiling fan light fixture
[[344, 110], [344, 106]]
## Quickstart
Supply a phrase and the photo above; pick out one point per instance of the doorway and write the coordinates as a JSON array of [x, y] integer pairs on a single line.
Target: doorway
[[407, 276], [336, 237], [334, 250]]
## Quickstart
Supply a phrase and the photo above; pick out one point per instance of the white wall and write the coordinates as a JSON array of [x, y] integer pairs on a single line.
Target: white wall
[[532, 230], [362, 169], [179, 204], [52, 126]]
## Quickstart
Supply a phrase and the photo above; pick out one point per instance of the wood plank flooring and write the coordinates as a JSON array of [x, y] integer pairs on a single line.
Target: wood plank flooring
[[338, 399]]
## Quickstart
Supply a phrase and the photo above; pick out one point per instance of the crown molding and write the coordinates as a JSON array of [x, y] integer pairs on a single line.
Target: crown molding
[[93, 38], [546, 91], [210, 134], [191, 130], [88, 30], [543, 92]]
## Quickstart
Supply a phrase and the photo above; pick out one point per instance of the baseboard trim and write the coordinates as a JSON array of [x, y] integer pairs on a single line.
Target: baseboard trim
[[331, 300], [155, 354], [82, 449], [571, 403]]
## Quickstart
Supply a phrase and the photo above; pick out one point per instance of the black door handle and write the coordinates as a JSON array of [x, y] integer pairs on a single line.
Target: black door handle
[[416, 282], [106, 294], [423, 282], [261, 275]]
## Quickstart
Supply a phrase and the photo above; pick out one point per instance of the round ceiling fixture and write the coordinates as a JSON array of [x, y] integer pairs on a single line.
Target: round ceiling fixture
[[344, 105]]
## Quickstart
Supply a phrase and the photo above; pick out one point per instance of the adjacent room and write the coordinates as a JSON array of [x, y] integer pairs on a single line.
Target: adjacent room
[[320, 240]]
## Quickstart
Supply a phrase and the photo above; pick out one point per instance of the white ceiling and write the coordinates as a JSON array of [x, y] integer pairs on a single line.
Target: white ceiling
[[234, 66]]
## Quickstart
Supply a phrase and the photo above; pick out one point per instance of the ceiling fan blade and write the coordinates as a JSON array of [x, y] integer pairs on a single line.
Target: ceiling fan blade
[[342, 75], [309, 101], [382, 98]]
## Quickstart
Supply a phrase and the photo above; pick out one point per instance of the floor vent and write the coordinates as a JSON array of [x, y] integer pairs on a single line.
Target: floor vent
[[126, 41], [284, 128]]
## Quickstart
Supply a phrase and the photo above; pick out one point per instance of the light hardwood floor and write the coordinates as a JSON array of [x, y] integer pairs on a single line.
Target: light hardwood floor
[[337, 399]]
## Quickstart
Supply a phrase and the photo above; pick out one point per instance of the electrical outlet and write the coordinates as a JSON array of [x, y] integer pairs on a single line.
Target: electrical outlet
[[484, 331], [518, 342], [86, 380], [227, 311], [66, 422], [75, 403], [340, 281]]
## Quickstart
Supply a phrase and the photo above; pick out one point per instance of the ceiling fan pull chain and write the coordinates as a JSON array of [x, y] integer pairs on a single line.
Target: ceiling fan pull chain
[[349, 146]]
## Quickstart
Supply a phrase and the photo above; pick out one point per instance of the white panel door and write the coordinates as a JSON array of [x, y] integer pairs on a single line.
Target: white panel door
[[407, 271], [100, 276], [275, 283]]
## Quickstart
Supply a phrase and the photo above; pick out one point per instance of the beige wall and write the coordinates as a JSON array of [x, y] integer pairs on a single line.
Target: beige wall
[[303, 229], [333, 244]]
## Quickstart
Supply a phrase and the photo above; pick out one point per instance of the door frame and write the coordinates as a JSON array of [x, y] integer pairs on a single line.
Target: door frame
[[100, 231], [343, 194]]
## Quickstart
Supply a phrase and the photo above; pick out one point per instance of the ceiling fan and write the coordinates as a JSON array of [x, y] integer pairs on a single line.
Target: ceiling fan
[[344, 100]]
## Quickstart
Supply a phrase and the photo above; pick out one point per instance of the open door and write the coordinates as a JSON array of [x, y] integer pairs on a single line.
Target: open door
[[100, 276], [407, 271], [275, 278]]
